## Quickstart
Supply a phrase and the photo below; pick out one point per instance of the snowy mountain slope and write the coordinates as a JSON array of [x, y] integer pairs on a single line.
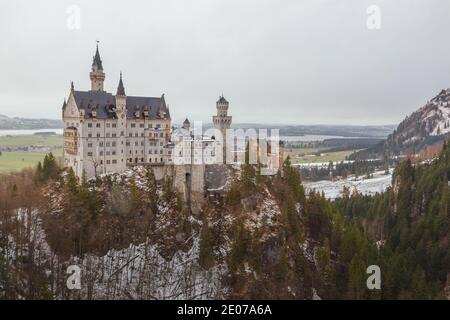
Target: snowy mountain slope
[[427, 126]]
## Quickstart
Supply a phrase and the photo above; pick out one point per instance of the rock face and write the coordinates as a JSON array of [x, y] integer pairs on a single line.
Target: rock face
[[427, 126]]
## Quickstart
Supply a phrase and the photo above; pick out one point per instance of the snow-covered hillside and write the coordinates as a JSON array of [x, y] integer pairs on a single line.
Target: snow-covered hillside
[[425, 127], [333, 189]]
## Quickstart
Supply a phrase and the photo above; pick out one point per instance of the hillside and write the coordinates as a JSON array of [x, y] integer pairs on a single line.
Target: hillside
[[7, 123], [263, 239], [428, 126]]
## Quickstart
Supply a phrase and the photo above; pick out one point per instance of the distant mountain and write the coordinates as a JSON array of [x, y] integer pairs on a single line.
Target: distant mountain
[[430, 125], [373, 131], [7, 123]]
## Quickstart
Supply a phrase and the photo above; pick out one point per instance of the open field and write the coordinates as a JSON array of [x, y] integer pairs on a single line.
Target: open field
[[27, 140], [310, 155], [18, 159], [11, 161]]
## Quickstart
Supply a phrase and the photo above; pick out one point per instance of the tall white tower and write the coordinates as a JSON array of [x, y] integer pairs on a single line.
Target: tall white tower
[[97, 75], [222, 121]]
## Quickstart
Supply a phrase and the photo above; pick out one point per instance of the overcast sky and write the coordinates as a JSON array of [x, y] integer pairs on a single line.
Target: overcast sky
[[279, 61]]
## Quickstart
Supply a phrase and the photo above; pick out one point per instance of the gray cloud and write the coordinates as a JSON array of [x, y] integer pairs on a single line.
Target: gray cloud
[[311, 61]]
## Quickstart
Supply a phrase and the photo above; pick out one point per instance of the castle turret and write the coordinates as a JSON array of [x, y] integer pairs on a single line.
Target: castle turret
[[97, 75], [121, 112], [186, 124], [222, 121], [121, 97]]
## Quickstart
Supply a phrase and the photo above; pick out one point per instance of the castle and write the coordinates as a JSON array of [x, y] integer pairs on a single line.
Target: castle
[[105, 133]]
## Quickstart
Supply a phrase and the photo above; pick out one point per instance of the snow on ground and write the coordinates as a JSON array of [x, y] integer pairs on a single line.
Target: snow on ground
[[333, 189], [441, 127]]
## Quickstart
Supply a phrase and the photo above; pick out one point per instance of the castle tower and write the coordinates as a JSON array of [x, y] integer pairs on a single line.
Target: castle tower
[[222, 121], [121, 97], [186, 125], [97, 75], [121, 112]]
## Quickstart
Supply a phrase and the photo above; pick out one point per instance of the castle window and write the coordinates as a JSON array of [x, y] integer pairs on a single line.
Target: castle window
[[142, 159], [130, 135], [113, 143], [101, 153], [161, 159], [98, 135], [108, 125], [160, 151], [108, 161], [133, 125], [101, 143], [90, 145], [89, 154], [107, 134], [113, 153], [114, 161], [150, 125], [89, 135], [101, 161], [142, 143], [107, 144], [113, 135], [150, 159], [89, 125], [150, 151], [114, 125], [141, 125], [136, 134], [161, 134], [98, 125], [107, 153], [127, 143], [135, 143], [142, 134]]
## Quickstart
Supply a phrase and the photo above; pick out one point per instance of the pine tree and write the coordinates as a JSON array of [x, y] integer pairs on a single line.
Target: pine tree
[[71, 182], [206, 257]]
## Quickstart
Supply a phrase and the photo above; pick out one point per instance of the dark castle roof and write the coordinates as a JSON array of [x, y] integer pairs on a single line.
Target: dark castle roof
[[120, 88], [97, 61], [105, 104], [222, 100]]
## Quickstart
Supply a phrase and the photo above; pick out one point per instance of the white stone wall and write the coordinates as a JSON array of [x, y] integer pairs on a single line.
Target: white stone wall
[[109, 145]]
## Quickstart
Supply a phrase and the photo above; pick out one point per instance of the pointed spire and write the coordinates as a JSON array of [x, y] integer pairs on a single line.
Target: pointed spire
[[222, 99], [97, 61], [71, 86], [120, 88], [64, 104]]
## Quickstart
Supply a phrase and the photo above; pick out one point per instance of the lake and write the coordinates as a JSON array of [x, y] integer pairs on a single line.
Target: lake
[[28, 132]]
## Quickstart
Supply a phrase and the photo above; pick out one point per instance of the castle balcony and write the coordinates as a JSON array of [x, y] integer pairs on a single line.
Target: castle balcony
[[71, 140]]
